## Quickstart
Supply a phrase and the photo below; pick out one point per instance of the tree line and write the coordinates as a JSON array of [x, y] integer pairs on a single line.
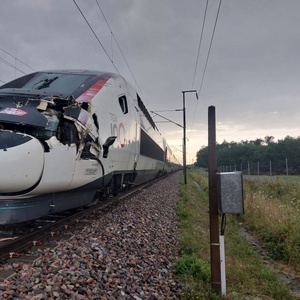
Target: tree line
[[241, 154]]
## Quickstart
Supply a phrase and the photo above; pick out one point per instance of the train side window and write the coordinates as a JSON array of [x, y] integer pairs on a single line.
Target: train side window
[[123, 104]]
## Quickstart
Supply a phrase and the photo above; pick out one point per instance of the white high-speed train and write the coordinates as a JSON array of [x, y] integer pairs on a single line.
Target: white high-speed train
[[67, 136]]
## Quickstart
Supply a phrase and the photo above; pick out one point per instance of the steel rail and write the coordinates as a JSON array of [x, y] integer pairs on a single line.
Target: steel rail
[[27, 241]]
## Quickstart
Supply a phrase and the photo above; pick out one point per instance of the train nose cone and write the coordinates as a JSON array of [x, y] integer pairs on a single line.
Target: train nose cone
[[21, 162]]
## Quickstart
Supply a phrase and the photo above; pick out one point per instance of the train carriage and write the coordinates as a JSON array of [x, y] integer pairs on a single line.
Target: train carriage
[[67, 136]]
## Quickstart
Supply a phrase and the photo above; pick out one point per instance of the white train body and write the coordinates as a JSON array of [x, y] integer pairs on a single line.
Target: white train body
[[67, 135]]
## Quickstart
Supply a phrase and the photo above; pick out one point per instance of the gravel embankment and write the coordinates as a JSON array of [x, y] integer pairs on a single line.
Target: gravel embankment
[[124, 254]]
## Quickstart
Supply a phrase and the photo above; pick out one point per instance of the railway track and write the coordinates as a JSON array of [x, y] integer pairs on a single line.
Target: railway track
[[15, 248]]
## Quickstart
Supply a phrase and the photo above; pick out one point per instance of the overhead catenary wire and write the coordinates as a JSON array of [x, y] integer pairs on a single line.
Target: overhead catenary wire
[[113, 36], [210, 45], [11, 65], [14, 66], [199, 51], [96, 36], [197, 60], [17, 59], [207, 59], [200, 44]]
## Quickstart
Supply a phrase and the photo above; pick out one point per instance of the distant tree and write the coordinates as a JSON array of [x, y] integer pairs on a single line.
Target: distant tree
[[202, 157], [258, 150], [269, 139], [257, 142]]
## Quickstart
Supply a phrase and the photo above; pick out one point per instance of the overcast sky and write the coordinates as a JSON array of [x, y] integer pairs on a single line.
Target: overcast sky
[[252, 76]]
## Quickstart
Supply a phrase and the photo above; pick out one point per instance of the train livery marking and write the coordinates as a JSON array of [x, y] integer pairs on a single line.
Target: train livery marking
[[88, 95], [13, 111], [120, 132], [90, 171]]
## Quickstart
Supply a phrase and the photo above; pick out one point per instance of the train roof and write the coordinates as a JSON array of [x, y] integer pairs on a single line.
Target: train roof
[[79, 71], [70, 82]]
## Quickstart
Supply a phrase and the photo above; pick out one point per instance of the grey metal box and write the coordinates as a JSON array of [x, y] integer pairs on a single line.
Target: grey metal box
[[230, 193]]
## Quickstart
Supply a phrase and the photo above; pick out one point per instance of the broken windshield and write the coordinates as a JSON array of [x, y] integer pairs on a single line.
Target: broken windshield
[[45, 83], [53, 83]]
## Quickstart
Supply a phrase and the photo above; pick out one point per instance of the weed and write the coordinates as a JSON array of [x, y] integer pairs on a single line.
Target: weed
[[190, 266]]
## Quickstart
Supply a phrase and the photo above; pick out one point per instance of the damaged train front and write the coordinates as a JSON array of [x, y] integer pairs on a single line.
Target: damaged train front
[[49, 145], [41, 138], [21, 151]]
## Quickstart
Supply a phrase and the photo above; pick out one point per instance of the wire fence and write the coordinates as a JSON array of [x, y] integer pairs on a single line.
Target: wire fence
[[266, 168]]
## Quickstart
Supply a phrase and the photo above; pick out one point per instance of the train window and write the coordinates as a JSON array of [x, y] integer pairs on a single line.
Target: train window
[[123, 104], [48, 82], [145, 111]]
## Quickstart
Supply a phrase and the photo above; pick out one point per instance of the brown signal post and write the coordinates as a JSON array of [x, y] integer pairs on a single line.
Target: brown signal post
[[213, 204]]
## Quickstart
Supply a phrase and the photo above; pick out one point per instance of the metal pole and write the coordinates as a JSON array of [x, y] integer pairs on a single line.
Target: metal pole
[[184, 132], [184, 140], [223, 265], [213, 204]]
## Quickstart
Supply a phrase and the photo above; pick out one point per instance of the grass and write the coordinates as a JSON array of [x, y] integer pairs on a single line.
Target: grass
[[192, 265], [246, 274], [273, 214], [295, 179]]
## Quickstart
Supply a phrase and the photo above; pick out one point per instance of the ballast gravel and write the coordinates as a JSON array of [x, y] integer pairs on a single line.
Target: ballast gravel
[[127, 252]]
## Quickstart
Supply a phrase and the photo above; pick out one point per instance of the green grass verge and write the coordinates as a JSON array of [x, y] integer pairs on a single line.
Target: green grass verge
[[246, 274], [273, 214]]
